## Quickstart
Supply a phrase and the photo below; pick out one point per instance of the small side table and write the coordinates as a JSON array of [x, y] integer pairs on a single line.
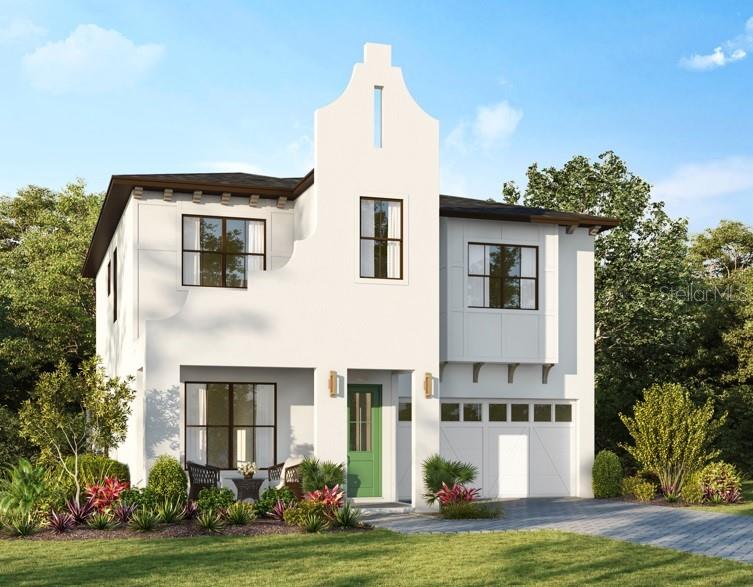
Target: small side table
[[247, 488]]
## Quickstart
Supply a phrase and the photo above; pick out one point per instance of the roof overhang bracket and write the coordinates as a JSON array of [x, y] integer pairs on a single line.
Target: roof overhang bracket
[[594, 230], [282, 202], [476, 369], [570, 228], [167, 195], [225, 198], [253, 200], [511, 367], [137, 193], [196, 198], [545, 368], [442, 365]]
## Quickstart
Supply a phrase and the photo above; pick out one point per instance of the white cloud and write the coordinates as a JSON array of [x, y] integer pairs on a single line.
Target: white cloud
[[492, 125], [19, 29], [90, 59], [706, 180], [231, 167], [728, 52]]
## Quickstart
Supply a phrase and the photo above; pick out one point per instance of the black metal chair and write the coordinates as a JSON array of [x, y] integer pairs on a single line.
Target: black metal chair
[[201, 477]]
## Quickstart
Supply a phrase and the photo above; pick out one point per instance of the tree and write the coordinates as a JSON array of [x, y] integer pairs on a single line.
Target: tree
[[644, 326], [70, 414], [672, 437], [46, 306]]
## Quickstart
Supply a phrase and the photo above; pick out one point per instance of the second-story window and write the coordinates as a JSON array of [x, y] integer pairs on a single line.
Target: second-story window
[[221, 252], [381, 238], [502, 276]]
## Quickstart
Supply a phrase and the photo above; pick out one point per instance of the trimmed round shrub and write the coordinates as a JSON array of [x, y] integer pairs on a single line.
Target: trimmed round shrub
[[644, 490], [692, 489], [721, 483], [607, 475], [167, 479], [217, 499]]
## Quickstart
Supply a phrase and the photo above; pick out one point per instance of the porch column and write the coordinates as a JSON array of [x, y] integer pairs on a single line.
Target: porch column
[[330, 415], [425, 432]]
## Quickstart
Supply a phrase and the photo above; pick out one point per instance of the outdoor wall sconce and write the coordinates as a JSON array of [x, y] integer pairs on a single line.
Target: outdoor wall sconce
[[333, 384], [428, 384]]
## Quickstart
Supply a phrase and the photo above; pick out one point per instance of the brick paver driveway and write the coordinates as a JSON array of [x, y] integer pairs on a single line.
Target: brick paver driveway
[[700, 532]]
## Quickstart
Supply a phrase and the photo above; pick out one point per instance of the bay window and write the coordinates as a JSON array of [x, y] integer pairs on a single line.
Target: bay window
[[221, 252], [231, 423], [502, 276], [381, 238]]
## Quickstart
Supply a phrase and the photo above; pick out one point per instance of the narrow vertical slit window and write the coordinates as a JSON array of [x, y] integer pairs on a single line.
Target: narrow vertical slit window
[[378, 116], [115, 285]]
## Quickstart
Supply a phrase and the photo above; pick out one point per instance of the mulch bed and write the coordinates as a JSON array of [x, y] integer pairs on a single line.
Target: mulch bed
[[179, 530]]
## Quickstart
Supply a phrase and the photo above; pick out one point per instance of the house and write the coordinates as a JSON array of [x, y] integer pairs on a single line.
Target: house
[[354, 313]]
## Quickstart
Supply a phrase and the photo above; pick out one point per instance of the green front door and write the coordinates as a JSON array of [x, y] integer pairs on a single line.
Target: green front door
[[364, 440]]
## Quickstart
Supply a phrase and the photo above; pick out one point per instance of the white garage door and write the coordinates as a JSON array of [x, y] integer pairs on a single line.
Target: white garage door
[[521, 448]]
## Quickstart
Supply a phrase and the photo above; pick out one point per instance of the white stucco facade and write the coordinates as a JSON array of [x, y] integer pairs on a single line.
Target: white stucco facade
[[311, 313]]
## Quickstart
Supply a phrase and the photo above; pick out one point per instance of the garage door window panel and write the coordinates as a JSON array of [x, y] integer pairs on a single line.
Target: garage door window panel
[[471, 412], [450, 412], [519, 413], [497, 412], [563, 413], [542, 412]]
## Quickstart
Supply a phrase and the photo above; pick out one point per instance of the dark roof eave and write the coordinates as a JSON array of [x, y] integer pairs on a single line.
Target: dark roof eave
[[603, 223]]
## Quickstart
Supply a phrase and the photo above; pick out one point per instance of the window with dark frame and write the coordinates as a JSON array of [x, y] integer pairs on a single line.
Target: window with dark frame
[[109, 277], [381, 235], [230, 423], [115, 285], [502, 276], [221, 252]]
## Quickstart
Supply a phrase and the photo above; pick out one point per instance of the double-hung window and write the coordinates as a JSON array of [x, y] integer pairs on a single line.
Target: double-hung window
[[381, 238], [502, 276], [221, 252], [231, 423]]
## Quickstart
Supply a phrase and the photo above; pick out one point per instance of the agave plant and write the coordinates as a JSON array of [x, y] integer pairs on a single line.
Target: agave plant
[[123, 512], [80, 511], [143, 520], [347, 516], [21, 523], [239, 513], [61, 521], [210, 521], [100, 521], [314, 522], [170, 511]]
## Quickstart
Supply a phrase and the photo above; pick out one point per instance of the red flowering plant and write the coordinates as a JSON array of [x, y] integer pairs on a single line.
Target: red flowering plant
[[456, 494], [331, 499], [104, 495]]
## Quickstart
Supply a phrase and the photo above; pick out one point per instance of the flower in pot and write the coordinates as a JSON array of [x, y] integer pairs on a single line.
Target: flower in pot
[[247, 469]]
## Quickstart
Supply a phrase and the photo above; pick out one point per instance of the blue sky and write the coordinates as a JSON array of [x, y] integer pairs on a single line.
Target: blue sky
[[92, 89]]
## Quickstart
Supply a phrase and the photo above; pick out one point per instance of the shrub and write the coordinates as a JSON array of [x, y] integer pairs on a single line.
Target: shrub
[[123, 512], [317, 475], [721, 483], [142, 498], [101, 521], [607, 475], [692, 489], [347, 516], [438, 471], [279, 509], [210, 520], [21, 523], [23, 488], [105, 494], [169, 512], [468, 510], [80, 511], [12, 444], [671, 436], [331, 499], [61, 522], [314, 523], [143, 520], [239, 513], [215, 498], [456, 494], [168, 479], [639, 488], [295, 515], [269, 498]]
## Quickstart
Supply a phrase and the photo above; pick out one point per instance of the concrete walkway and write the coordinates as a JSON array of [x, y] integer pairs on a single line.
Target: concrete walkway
[[699, 532]]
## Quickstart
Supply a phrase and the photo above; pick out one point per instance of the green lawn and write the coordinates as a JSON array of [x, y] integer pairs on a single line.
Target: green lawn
[[740, 509], [368, 558]]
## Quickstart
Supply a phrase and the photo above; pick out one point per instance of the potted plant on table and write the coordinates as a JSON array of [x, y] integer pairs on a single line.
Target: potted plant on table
[[247, 469]]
